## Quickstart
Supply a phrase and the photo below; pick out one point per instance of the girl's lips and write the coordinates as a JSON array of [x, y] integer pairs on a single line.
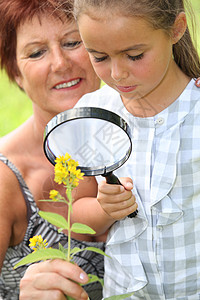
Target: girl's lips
[[126, 89]]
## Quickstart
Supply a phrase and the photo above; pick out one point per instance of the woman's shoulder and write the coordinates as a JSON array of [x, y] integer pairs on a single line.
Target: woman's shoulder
[[8, 178], [10, 186], [17, 138], [11, 141], [14, 147]]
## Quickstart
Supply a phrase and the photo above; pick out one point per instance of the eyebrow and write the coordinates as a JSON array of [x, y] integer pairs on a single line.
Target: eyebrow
[[38, 42], [135, 47]]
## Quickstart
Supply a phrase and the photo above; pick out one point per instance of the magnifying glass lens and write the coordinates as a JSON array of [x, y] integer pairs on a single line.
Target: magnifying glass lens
[[96, 144]]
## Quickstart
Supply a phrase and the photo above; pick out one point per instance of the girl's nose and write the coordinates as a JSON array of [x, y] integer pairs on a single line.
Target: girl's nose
[[60, 61], [118, 71]]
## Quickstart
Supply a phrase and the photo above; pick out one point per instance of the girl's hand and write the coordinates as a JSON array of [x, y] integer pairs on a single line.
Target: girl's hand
[[53, 280], [117, 200]]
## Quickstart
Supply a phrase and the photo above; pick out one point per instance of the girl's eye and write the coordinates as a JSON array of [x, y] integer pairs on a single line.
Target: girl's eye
[[72, 45], [137, 57], [99, 59], [37, 54]]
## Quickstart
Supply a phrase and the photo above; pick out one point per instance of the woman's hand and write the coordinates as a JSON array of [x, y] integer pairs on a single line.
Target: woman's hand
[[53, 280], [117, 200]]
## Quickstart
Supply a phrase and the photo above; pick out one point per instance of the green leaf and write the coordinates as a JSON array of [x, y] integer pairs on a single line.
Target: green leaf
[[61, 248], [76, 250], [94, 278], [42, 254], [119, 297], [82, 228], [55, 219], [97, 250], [50, 200], [70, 298], [45, 200]]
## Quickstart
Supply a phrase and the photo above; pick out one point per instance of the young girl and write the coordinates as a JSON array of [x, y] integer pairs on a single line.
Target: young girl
[[143, 51]]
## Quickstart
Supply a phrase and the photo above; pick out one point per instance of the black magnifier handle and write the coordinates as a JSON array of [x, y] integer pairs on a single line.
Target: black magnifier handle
[[112, 179]]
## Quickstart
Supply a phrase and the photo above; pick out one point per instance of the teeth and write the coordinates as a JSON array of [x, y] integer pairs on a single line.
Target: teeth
[[67, 84]]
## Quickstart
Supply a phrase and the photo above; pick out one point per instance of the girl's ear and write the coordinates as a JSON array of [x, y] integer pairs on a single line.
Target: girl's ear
[[179, 27]]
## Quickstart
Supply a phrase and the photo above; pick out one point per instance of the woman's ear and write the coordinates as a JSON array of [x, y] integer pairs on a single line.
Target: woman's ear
[[179, 27], [19, 81]]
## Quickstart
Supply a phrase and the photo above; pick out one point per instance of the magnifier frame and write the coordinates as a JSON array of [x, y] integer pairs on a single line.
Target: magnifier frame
[[91, 112], [87, 112]]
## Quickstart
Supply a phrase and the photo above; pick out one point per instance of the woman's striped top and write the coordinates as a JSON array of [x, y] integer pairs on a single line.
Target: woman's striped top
[[91, 262]]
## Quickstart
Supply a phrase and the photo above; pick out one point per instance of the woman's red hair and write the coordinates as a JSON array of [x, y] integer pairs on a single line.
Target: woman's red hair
[[15, 12]]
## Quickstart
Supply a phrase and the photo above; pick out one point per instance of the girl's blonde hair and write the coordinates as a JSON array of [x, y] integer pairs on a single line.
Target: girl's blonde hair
[[161, 14]]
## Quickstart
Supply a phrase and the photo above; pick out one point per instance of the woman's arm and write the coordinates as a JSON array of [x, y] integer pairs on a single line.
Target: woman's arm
[[12, 211]]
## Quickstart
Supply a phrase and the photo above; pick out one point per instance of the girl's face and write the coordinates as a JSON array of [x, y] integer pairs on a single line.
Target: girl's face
[[55, 70], [129, 55]]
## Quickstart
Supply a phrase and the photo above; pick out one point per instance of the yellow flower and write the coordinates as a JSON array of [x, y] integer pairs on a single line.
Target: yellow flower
[[79, 175], [71, 169], [37, 243], [63, 159], [54, 195], [75, 182], [72, 163], [66, 171], [61, 173]]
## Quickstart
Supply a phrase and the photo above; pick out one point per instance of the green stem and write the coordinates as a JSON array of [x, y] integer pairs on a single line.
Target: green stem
[[69, 237], [69, 194]]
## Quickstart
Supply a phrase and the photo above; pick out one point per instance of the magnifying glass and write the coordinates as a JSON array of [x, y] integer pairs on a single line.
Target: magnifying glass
[[98, 139]]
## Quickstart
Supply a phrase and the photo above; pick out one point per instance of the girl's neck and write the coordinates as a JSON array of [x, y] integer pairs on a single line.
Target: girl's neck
[[169, 89]]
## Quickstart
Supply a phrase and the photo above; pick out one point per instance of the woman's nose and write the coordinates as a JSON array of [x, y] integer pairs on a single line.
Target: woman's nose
[[118, 71], [60, 61]]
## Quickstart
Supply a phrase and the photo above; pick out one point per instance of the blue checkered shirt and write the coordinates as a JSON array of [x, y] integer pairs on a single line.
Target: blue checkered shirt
[[156, 255]]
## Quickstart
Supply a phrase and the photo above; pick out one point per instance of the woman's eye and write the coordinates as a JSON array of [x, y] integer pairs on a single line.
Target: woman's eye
[[37, 54], [137, 57], [99, 59], [72, 45]]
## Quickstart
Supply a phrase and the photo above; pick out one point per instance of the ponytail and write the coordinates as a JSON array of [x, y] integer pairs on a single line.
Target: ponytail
[[186, 56], [185, 52]]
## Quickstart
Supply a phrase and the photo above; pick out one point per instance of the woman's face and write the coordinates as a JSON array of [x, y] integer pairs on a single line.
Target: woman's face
[[55, 70]]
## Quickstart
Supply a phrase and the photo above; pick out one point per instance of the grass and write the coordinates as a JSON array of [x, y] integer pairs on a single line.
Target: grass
[[15, 107]]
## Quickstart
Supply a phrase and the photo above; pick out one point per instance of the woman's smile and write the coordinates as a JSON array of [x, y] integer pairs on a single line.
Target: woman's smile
[[68, 84]]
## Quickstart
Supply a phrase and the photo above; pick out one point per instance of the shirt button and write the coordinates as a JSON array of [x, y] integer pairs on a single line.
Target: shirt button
[[160, 121], [160, 228]]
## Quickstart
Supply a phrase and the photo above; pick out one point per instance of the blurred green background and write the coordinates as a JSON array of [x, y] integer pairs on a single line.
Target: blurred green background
[[15, 107]]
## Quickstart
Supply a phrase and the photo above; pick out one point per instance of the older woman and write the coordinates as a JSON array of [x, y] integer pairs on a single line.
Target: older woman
[[42, 52]]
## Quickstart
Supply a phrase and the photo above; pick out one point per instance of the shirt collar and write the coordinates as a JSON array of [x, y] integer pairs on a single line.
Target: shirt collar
[[170, 116]]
